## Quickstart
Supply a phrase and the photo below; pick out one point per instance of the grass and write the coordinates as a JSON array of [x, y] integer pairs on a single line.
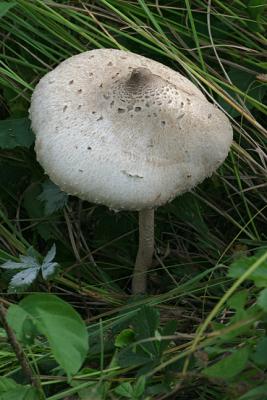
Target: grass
[[219, 46]]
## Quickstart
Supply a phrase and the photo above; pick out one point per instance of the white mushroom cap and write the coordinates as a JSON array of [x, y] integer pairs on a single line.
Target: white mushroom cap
[[119, 129]]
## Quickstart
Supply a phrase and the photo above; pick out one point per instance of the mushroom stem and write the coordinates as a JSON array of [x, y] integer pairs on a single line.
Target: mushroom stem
[[145, 251]]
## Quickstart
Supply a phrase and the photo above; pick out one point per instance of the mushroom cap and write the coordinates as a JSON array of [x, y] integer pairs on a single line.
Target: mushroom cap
[[119, 129]]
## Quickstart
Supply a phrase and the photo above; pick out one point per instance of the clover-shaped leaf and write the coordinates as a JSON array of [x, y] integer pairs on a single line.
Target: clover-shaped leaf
[[29, 268]]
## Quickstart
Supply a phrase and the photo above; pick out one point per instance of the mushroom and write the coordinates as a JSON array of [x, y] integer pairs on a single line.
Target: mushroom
[[116, 128]]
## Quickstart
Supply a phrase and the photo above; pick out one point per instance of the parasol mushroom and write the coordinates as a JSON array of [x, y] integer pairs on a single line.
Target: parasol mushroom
[[119, 129]]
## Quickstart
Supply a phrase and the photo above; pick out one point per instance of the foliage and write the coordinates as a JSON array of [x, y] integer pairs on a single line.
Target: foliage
[[229, 366], [10, 390], [134, 392], [53, 197], [201, 331], [15, 132], [241, 265], [63, 327], [29, 268]]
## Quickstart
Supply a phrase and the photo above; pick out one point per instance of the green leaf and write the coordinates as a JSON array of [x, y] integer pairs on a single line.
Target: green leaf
[[125, 390], [154, 390], [258, 393], [21, 393], [51, 254], [229, 366], [22, 280], [238, 300], [240, 266], [24, 263], [30, 267], [262, 299], [15, 133], [5, 6], [260, 355], [139, 386], [128, 358], [93, 390], [48, 267], [167, 330], [22, 324], [124, 338], [238, 330], [49, 270], [145, 324], [7, 384], [53, 198], [10, 390], [63, 327]]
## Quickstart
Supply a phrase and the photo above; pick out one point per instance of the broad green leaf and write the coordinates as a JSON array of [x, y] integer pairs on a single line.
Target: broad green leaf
[[145, 324], [128, 358], [238, 330], [125, 390], [168, 329], [7, 384], [238, 300], [258, 393], [262, 299], [154, 390], [21, 393], [54, 199], [63, 327], [260, 355], [124, 338], [16, 317], [229, 366], [139, 386], [93, 390], [15, 133], [11, 390], [240, 266], [22, 324], [214, 350], [5, 6]]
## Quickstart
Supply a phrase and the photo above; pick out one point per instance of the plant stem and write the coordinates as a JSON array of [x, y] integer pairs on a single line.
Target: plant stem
[[21, 357], [145, 251]]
